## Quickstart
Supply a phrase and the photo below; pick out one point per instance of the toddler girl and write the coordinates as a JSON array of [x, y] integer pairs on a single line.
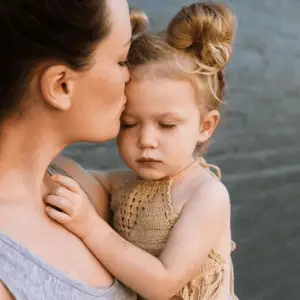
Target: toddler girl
[[171, 236]]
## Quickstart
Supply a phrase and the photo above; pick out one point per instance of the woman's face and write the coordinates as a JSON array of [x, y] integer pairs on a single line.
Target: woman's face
[[98, 97]]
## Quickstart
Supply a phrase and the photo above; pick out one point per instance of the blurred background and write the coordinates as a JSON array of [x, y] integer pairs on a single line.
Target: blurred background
[[257, 145]]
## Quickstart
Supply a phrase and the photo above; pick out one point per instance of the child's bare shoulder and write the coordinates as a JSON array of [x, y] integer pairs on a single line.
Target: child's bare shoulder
[[211, 192], [207, 208]]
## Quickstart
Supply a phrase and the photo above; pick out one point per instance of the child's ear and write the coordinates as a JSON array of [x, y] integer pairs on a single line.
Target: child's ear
[[209, 122]]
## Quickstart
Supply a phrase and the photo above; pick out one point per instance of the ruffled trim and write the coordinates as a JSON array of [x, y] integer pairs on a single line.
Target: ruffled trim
[[209, 281], [201, 289]]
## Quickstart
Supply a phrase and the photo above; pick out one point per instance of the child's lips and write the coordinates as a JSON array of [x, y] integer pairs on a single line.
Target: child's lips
[[147, 160]]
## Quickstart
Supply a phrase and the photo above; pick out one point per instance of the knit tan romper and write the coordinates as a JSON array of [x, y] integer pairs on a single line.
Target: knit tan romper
[[143, 215]]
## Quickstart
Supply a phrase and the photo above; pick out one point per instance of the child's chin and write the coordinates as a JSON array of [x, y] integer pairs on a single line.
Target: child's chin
[[151, 175]]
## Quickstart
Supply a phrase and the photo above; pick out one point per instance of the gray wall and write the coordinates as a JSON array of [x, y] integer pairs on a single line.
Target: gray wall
[[257, 146]]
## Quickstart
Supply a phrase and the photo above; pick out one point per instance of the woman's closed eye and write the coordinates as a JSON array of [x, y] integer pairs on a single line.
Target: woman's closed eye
[[123, 64]]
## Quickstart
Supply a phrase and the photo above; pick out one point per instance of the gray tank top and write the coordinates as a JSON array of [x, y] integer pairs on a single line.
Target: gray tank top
[[27, 277]]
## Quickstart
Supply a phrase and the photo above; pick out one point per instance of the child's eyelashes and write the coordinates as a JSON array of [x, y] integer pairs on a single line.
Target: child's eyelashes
[[161, 125], [167, 125]]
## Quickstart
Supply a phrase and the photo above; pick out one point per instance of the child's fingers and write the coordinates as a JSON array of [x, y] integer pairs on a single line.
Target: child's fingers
[[67, 182], [64, 192], [56, 215], [60, 202]]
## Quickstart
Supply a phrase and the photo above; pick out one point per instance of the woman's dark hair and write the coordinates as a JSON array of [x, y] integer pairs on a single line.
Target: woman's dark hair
[[33, 32]]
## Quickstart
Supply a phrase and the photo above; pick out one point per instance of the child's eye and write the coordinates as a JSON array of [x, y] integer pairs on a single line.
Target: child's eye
[[167, 125], [123, 63]]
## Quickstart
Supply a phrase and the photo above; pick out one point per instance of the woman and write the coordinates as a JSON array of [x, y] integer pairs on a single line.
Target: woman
[[64, 83]]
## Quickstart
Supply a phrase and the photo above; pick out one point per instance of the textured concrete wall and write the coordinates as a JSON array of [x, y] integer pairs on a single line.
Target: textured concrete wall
[[257, 146]]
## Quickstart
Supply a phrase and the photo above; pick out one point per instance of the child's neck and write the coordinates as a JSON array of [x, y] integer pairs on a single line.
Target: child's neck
[[186, 169]]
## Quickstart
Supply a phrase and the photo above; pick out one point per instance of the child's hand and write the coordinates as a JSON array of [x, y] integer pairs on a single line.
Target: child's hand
[[77, 214]]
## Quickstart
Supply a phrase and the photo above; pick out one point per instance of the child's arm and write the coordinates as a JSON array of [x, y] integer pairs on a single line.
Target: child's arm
[[193, 236]]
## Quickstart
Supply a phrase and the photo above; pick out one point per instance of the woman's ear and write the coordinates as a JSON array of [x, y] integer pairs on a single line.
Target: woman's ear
[[57, 86]]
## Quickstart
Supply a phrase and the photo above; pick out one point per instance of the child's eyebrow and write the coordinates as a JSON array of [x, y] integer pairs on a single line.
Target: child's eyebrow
[[170, 114]]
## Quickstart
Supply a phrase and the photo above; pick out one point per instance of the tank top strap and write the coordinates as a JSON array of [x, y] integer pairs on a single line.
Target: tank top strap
[[55, 169]]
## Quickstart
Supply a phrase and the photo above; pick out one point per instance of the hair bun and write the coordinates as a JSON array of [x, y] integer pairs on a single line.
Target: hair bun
[[206, 30], [139, 21]]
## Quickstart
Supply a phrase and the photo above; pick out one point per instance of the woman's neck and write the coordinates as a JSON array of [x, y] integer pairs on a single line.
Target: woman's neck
[[25, 153]]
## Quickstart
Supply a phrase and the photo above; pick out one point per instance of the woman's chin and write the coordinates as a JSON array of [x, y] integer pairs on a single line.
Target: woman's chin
[[102, 136]]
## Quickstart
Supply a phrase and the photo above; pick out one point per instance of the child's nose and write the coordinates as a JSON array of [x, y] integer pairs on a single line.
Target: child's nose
[[147, 139]]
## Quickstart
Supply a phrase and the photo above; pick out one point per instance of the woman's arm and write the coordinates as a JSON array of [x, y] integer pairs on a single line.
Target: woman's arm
[[193, 236], [97, 192]]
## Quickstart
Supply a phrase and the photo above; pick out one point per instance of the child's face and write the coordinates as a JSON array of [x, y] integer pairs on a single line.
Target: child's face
[[160, 127]]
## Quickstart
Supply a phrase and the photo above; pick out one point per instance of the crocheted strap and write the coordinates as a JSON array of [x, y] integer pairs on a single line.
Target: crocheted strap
[[204, 164], [207, 166]]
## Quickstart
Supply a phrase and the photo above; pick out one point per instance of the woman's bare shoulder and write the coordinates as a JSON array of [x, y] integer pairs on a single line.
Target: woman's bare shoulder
[[75, 170], [67, 164], [4, 293]]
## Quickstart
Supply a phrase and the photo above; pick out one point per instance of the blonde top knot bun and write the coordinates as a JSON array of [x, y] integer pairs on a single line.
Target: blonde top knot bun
[[139, 22], [206, 31]]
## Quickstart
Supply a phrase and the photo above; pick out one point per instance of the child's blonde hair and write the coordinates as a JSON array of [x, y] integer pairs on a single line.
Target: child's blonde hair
[[196, 46]]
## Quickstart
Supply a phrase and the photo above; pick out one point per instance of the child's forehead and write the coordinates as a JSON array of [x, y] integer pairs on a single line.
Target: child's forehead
[[163, 97], [163, 110], [156, 85]]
